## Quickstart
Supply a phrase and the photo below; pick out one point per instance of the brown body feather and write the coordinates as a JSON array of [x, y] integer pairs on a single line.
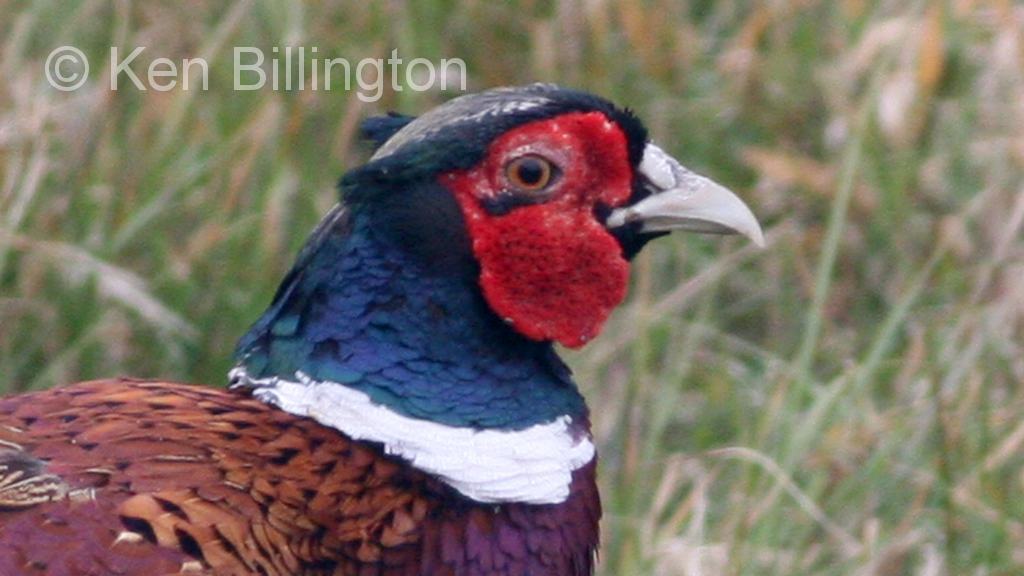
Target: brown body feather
[[137, 477]]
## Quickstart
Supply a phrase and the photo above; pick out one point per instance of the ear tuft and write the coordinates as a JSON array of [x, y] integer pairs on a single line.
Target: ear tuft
[[379, 129]]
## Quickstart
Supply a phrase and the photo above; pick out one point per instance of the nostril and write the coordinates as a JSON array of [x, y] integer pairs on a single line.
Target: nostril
[[601, 212]]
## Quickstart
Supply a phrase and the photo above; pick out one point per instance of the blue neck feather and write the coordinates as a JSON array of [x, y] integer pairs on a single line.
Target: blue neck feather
[[384, 299]]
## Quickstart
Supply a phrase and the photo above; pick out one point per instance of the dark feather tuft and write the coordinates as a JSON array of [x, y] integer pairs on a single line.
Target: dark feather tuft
[[379, 129]]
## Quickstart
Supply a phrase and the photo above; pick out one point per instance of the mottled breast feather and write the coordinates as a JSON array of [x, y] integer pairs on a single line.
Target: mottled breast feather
[[141, 477]]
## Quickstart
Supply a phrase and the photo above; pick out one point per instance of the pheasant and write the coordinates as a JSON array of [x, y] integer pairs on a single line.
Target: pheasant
[[399, 409]]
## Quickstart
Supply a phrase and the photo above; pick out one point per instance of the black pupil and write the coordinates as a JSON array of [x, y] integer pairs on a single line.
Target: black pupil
[[530, 171]]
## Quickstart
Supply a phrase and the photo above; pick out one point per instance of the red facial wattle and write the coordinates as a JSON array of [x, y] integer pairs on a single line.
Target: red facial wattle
[[548, 266]]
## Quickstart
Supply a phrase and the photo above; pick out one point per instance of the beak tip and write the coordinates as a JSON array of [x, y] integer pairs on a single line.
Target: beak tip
[[752, 231], [757, 237]]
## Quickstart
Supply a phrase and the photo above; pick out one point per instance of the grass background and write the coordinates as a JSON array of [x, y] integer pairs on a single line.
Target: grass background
[[847, 401]]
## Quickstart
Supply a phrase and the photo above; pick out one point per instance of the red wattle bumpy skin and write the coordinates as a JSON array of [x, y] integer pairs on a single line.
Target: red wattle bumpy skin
[[551, 269]]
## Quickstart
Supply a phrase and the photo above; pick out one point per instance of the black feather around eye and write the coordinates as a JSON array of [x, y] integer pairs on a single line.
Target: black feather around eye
[[506, 201]]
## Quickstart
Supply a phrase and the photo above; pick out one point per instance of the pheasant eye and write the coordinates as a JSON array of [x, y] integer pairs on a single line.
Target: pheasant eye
[[529, 173]]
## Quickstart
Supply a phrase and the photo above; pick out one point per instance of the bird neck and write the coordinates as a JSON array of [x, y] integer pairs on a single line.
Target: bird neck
[[384, 302], [380, 331]]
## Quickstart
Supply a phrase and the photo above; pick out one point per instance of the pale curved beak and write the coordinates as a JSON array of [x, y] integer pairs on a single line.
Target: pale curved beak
[[683, 200]]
